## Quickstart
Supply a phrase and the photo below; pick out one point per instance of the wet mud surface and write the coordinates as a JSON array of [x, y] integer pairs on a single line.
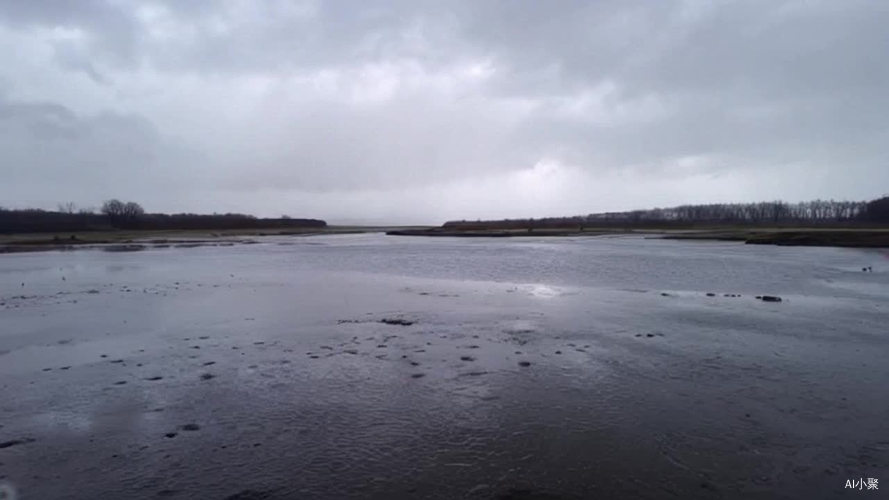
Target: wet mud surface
[[359, 367]]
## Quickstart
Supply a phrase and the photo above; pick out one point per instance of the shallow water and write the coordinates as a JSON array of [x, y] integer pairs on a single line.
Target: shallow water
[[534, 368]]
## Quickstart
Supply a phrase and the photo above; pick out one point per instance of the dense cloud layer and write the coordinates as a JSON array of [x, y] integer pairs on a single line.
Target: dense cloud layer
[[415, 111]]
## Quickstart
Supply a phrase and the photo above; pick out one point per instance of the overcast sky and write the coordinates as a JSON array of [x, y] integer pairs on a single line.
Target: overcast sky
[[415, 111]]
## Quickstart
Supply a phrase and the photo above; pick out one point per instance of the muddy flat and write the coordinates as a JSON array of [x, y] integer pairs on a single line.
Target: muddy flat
[[367, 366]]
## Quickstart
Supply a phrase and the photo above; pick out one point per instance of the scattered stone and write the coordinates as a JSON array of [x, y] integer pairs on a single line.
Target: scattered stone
[[191, 427], [711, 294], [171, 434], [396, 321], [558, 352], [208, 363], [524, 363], [769, 298], [155, 378], [207, 376], [65, 368], [120, 382], [467, 358]]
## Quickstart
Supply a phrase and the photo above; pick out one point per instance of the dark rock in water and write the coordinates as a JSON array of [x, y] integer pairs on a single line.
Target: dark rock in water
[[711, 294], [649, 335], [396, 321], [191, 427], [770, 298], [16, 442]]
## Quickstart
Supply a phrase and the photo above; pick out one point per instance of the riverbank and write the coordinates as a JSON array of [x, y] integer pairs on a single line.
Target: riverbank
[[832, 237], [134, 240]]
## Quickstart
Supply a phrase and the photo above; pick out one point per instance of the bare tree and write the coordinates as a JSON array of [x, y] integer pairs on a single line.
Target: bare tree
[[122, 214], [67, 207]]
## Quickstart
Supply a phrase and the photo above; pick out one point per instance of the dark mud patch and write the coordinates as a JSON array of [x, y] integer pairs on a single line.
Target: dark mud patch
[[16, 442], [523, 494], [250, 495]]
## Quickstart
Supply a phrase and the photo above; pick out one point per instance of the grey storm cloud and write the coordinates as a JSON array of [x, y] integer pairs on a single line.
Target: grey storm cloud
[[442, 109]]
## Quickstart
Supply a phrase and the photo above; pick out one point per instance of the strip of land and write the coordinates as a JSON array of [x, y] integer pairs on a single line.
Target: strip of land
[[872, 237], [135, 240]]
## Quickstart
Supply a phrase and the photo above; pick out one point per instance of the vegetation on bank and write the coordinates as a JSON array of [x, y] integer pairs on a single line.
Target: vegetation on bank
[[775, 213], [815, 223], [116, 215]]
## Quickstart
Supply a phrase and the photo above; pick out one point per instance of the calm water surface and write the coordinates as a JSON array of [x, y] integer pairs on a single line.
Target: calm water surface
[[532, 368]]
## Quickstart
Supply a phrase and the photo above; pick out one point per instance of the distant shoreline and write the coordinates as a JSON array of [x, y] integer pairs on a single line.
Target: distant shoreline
[[136, 240], [824, 237]]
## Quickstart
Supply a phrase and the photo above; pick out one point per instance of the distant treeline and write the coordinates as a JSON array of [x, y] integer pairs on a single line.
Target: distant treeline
[[810, 213], [115, 214]]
